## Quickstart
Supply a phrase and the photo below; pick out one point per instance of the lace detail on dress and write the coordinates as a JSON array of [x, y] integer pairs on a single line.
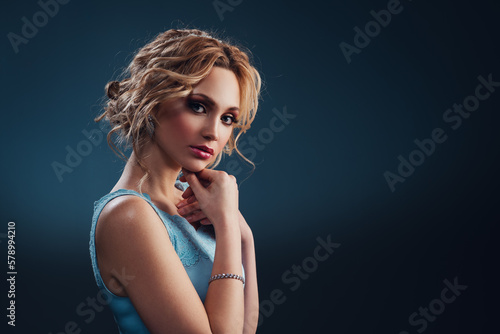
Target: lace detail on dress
[[194, 244], [187, 250]]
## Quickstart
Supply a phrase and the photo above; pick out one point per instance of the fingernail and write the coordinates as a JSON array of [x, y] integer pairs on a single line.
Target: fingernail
[[189, 219], [182, 211]]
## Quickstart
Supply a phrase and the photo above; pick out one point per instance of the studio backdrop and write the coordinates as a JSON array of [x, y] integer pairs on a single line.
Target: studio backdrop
[[374, 201]]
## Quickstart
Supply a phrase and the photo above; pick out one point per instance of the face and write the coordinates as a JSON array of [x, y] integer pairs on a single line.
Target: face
[[192, 131]]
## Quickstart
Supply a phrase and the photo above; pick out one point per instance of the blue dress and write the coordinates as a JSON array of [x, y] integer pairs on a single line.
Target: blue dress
[[195, 248]]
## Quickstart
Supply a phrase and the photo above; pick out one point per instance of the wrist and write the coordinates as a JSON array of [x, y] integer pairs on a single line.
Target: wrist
[[228, 223]]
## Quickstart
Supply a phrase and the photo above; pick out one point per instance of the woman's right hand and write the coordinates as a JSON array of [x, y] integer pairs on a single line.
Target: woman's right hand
[[216, 194]]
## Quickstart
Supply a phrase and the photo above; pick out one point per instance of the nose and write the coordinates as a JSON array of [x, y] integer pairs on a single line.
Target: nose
[[210, 130]]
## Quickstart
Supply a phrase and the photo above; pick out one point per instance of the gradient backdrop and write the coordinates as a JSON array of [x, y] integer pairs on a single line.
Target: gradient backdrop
[[343, 109]]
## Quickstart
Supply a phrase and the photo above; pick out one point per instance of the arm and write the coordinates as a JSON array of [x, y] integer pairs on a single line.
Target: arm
[[251, 294], [191, 210], [131, 238], [225, 297], [219, 201], [251, 289]]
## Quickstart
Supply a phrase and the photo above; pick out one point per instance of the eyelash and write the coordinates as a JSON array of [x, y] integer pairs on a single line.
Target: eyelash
[[194, 105]]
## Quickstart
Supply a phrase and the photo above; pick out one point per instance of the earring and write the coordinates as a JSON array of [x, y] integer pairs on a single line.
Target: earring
[[151, 126]]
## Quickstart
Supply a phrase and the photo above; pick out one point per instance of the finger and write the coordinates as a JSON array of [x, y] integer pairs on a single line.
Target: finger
[[189, 209], [196, 216], [186, 201], [193, 182], [206, 175], [188, 192], [206, 183]]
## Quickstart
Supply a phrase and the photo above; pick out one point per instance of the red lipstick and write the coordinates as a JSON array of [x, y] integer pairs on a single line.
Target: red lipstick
[[202, 151]]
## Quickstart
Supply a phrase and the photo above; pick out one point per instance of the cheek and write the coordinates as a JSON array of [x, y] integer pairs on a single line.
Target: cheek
[[227, 134], [180, 126], [225, 137]]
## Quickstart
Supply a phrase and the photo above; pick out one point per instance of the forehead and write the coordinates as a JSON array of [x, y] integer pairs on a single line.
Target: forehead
[[222, 86]]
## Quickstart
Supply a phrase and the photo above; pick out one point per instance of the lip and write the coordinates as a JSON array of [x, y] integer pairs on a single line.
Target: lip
[[202, 151]]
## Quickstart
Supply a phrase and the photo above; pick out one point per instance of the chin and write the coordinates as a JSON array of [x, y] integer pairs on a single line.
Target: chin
[[195, 167]]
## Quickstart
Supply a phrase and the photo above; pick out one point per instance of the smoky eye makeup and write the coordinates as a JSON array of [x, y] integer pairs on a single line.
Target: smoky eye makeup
[[201, 99], [195, 105], [196, 102], [229, 116]]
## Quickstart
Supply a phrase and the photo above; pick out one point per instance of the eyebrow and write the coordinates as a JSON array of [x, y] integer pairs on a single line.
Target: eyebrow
[[212, 103]]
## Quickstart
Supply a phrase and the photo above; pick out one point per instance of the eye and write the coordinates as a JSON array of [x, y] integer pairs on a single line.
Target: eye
[[228, 119], [197, 107]]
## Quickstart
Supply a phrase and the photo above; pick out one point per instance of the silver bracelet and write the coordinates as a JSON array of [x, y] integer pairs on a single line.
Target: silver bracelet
[[220, 276]]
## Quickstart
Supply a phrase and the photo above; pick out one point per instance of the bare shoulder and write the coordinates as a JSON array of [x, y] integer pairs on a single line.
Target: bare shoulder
[[135, 253], [124, 209], [120, 221], [125, 217]]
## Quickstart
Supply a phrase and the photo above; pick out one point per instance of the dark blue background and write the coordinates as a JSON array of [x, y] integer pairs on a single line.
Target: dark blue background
[[321, 175]]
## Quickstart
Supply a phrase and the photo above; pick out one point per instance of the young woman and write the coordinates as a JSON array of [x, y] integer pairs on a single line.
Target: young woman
[[170, 250]]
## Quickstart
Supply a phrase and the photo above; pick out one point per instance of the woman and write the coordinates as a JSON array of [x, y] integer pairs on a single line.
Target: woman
[[185, 101]]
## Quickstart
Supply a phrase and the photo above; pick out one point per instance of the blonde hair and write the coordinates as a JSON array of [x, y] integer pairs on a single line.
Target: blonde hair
[[167, 68]]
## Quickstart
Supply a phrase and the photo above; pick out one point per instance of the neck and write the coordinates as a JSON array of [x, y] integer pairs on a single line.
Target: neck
[[162, 175]]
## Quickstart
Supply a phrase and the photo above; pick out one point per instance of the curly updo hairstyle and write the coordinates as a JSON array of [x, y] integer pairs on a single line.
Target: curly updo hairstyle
[[167, 68]]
